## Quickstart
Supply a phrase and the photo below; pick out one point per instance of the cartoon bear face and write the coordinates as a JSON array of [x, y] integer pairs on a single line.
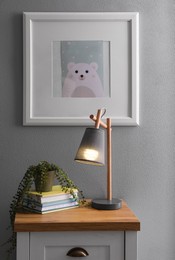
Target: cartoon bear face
[[82, 80], [82, 71]]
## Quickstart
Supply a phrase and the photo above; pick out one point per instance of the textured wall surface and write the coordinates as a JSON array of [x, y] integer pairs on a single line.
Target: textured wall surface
[[143, 164]]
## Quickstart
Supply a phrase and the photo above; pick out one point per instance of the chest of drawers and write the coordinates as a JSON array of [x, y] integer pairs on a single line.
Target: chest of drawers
[[79, 232]]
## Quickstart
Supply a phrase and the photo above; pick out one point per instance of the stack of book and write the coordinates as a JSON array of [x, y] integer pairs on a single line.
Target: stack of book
[[51, 201]]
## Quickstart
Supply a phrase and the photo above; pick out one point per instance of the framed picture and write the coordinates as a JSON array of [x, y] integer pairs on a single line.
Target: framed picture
[[76, 63]]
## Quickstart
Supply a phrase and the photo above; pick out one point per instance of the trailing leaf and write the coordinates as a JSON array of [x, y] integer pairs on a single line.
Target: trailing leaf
[[32, 173]]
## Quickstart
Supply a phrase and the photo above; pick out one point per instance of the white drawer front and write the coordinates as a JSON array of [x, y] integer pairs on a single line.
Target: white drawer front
[[102, 245], [95, 252]]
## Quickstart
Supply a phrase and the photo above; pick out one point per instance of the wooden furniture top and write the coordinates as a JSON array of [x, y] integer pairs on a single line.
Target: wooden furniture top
[[83, 218]]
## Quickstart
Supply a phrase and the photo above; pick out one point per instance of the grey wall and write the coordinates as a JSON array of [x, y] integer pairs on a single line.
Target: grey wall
[[143, 165]]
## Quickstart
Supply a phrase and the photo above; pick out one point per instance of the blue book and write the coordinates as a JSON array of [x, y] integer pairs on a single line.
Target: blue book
[[29, 201], [43, 208]]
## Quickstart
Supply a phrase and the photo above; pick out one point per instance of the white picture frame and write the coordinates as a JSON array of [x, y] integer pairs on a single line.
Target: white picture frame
[[41, 29]]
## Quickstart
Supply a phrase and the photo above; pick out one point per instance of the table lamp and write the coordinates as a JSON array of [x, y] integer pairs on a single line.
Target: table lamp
[[92, 151]]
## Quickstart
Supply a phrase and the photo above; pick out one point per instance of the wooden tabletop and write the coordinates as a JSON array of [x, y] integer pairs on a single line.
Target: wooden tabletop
[[78, 219]]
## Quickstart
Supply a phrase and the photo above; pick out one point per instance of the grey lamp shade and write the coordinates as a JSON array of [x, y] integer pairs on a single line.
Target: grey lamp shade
[[92, 147]]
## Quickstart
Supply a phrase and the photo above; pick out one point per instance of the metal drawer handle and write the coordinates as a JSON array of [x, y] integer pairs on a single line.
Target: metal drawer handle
[[77, 252]]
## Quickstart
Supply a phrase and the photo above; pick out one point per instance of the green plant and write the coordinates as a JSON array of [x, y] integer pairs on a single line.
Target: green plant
[[26, 184]]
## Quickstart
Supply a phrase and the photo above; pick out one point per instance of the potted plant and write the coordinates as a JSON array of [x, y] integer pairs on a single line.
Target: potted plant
[[42, 176]]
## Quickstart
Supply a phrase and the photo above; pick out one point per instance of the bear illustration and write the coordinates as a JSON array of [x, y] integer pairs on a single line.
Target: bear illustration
[[82, 80]]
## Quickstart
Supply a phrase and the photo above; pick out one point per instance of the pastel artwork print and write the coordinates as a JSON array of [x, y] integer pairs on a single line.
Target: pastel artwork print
[[80, 69]]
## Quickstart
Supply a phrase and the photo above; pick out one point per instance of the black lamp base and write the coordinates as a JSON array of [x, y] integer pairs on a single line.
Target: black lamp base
[[107, 204]]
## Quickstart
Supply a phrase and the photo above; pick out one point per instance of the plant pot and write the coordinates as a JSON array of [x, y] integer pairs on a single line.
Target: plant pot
[[45, 185]]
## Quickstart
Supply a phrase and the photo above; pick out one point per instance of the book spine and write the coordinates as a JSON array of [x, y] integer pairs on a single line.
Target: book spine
[[28, 201], [49, 198], [59, 206], [49, 211]]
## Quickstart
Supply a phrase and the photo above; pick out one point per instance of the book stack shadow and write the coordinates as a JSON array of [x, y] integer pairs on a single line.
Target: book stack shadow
[[51, 201]]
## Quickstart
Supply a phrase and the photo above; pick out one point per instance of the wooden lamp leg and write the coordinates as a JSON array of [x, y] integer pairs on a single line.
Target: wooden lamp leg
[[109, 160]]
